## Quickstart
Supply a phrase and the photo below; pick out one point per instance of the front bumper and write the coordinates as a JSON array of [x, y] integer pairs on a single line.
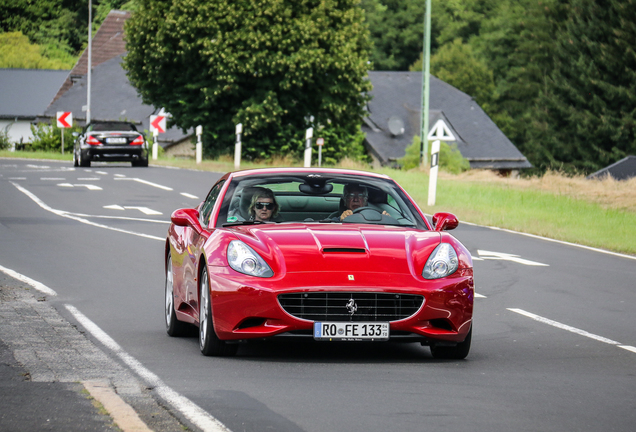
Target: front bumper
[[252, 311]]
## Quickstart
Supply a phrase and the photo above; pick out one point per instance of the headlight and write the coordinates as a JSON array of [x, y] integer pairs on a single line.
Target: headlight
[[442, 262], [243, 259]]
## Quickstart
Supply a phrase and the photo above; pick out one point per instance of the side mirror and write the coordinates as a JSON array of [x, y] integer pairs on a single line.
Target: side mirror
[[75, 134], [445, 221], [185, 218]]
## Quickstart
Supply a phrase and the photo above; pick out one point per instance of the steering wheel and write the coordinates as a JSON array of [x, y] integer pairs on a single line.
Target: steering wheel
[[361, 209]]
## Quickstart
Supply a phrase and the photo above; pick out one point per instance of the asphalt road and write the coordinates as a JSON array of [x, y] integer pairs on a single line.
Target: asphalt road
[[553, 343]]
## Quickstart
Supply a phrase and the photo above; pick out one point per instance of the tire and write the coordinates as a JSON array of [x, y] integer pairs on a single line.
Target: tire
[[209, 342], [75, 163], [457, 352], [83, 162], [140, 163], [174, 327]]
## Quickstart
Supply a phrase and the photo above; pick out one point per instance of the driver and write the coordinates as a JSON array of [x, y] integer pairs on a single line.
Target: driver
[[355, 196]]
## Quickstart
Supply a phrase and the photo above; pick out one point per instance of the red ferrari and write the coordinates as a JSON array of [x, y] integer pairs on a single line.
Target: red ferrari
[[325, 254]]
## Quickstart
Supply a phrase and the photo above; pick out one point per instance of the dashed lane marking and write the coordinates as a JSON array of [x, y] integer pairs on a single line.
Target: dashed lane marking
[[187, 195], [572, 329], [87, 186], [146, 182]]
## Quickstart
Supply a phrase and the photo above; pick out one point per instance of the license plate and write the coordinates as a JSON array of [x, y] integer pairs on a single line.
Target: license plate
[[351, 331], [116, 140]]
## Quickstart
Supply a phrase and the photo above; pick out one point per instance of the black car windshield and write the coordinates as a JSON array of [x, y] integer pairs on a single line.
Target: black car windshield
[[318, 198], [111, 126]]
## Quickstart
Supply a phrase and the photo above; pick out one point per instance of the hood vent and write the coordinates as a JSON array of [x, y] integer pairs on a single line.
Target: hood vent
[[343, 249]]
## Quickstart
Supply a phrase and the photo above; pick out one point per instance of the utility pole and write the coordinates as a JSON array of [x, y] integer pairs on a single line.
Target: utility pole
[[88, 77], [426, 67]]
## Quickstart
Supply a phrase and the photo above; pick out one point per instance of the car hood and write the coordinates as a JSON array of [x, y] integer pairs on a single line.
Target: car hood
[[345, 248]]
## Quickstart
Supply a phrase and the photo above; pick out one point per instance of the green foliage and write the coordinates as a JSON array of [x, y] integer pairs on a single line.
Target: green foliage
[[58, 28], [590, 96], [17, 52], [396, 29], [450, 159], [5, 142], [271, 65], [456, 64], [48, 137]]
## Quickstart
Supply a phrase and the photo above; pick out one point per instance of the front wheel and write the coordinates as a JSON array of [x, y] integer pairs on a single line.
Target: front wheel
[[174, 327], [457, 352], [209, 342]]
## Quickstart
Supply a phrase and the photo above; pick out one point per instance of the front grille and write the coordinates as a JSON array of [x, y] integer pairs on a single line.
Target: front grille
[[330, 306]]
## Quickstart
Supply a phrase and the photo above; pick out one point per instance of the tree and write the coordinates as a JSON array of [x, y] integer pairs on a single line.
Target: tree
[[17, 52], [57, 27], [456, 64], [396, 29], [276, 66], [590, 100]]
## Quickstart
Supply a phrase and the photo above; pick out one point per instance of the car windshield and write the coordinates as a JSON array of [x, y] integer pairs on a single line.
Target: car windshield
[[112, 126], [317, 198]]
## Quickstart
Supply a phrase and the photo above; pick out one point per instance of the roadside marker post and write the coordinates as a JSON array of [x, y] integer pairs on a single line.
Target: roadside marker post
[[157, 126], [199, 148], [155, 149], [237, 147], [64, 120], [320, 142], [432, 180], [308, 136]]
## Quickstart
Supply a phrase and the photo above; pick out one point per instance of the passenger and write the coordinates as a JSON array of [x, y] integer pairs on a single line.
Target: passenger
[[264, 206], [354, 197]]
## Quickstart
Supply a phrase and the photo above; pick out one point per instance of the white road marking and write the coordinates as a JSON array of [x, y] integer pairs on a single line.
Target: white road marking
[[144, 210], [564, 326], [192, 411], [508, 257], [38, 166], [187, 195], [79, 219], [53, 178], [120, 175], [145, 182], [27, 280], [101, 172], [87, 186], [477, 295], [628, 348], [17, 178], [88, 178]]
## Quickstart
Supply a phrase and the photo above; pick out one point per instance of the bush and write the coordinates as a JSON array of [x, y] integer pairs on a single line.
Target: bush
[[450, 159], [4, 140], [48, 137]]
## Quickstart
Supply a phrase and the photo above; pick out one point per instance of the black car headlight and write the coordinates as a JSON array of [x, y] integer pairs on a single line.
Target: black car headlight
[[244, 259], [442, 262]]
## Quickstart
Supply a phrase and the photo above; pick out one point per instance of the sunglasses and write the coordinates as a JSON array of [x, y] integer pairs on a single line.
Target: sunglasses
[[351, 196], [262, 205]]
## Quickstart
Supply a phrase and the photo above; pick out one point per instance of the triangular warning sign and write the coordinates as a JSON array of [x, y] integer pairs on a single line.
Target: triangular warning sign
[[440, 131]]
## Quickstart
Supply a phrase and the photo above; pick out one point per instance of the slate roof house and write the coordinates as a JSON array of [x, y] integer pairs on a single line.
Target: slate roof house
[[624, 169], [24, 95], [453, 116]]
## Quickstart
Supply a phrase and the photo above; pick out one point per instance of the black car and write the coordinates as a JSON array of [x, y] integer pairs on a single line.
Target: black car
[[114, 141]]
